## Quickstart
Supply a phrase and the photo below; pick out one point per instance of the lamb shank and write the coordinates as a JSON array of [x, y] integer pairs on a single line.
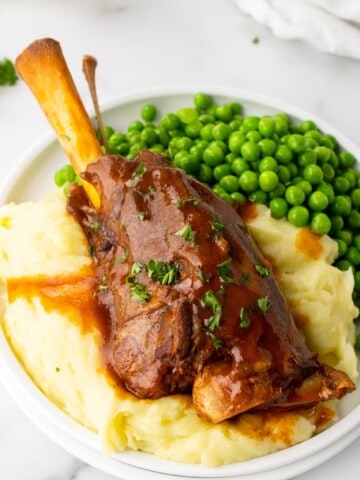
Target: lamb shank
[[190, 304]]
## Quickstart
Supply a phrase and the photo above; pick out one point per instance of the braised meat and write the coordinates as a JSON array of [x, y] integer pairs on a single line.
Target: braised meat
[[192, 303]]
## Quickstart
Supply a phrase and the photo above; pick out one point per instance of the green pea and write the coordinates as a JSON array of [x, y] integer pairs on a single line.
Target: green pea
[[205, 118], [206, 132], [323, 154], [284, 174], [278, 192], [296, 143], [157, 148], [201, 145], [328, 171], [250, 123], [341, 205], [351, 176], [238, 198], [136, 125], [187, 115], [278, 207], [346, 236], [189, 163], [221, 171], [357, 288], [123, 148], [313, 174], [178, 156], [298, 216], [250, 151], [229, 183], [66, 174], [163, 135], [236, 140], [213, 155], [115, 139], [249, 181], [149, 136], [227, 197], [239, 165], [306, 158], [205, 174], [230, 158], [283, 154], [135, 149], [268, 181], [344, 265], [219, 144], [311, 144], [170, 122], [355, 197], [268, 163], [223, 113], [342, 247], [356, 241], [108, 131], [328, 190], [320, 224], [267, 147], [353, 220], [202, 101], [281, 126], [318, 201], [307, 125], [314, 135], [353, 256], [346, 160], [148, 113], [266, 126], [293, 169], [337, 224], [294, 195], [258, 196], [193, 129], [253, 136], [334, 161], [305, 186], [221, 131], [234, 125], [329, 141], [341, 184]]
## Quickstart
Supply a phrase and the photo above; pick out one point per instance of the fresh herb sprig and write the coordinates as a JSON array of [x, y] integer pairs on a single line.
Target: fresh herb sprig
[[164, 272]]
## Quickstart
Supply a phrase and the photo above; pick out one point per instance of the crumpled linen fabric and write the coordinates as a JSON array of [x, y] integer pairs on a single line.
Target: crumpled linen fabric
[[332, 26]]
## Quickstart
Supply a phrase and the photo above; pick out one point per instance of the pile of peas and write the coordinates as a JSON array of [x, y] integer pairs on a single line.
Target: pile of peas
[[296, 170]]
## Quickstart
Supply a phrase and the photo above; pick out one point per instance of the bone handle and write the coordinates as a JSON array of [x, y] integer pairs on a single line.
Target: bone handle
[[43, 68]]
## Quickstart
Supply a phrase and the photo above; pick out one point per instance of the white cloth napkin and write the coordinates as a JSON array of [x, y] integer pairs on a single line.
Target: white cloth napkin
[[330, 25]]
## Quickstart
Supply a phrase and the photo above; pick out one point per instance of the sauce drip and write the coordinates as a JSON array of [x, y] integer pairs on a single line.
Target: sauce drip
[[308, 243]]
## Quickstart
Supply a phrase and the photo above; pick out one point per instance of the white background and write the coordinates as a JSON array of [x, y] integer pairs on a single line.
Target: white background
[[143, 43]]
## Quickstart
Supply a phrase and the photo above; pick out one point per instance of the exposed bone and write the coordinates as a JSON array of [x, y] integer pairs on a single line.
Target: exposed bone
[[43, 68]]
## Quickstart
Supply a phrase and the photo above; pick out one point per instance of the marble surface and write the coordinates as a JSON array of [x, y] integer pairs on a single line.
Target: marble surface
[[140, 44]]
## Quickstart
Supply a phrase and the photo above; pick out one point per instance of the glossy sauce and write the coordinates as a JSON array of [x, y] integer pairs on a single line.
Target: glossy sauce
[[308, 243]]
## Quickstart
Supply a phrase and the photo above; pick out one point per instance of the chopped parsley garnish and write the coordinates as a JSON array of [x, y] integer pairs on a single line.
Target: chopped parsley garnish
[[164, 272], [263, 303], [211, 300], [122, 259], [187, 233], [216, 340], [138, 290], [57, 369], [95, 225], [244, 318], [140, 170], [150, 192], [215, 224], [8, 74], [256, 40], [181, 203], [263, 271], [224, 271], [92, 250], [141, 215]]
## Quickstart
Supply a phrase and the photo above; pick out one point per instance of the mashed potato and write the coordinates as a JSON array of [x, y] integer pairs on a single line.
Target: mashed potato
[[40, 244]]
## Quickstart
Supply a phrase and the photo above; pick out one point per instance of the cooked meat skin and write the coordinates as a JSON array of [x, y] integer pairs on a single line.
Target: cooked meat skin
[[222, 328]]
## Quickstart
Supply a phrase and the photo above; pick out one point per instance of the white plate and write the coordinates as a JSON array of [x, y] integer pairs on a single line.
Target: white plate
[[32, 179]]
